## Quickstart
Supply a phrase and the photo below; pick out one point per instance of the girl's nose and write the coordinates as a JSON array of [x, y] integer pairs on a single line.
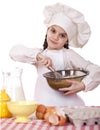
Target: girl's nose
[[56, 36]]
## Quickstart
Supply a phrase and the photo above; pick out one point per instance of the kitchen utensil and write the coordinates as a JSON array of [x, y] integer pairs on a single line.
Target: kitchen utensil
[[22, 109], [61, 82], [13, 84], [56, 74]]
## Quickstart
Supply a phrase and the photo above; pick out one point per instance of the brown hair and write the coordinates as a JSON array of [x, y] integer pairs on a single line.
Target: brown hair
[[45, 45]]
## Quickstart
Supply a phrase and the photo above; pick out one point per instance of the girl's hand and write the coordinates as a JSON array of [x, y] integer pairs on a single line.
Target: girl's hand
[[46, 61], [74, 88]]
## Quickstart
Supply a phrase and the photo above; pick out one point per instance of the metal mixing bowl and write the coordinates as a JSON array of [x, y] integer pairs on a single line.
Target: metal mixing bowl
[[71, 74]]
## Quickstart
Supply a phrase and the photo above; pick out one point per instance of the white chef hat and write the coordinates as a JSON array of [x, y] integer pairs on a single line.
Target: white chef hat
[[71, 20]]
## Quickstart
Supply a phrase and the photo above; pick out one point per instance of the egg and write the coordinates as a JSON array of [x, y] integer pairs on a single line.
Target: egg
[[40, 111], [52, 115]]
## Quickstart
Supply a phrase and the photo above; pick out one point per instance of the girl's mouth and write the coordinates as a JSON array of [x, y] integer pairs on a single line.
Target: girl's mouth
[[54, 42]]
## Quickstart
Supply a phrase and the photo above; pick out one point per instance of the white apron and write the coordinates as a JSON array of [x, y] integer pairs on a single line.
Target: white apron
[[45, 94]]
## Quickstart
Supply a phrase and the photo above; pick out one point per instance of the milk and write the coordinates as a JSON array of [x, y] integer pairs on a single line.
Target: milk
[[13, 84]]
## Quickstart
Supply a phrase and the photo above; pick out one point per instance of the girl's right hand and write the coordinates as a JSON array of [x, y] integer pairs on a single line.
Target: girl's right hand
[[46, 61]]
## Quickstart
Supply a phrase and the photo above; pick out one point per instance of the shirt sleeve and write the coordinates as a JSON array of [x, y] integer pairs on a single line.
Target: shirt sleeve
[[24, 54], [92, 80]]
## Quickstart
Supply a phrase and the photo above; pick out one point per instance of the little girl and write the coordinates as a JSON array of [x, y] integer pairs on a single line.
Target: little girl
[[65, 27]]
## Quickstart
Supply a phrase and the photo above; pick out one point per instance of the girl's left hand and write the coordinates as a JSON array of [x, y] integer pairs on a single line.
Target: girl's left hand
[[74, 88]]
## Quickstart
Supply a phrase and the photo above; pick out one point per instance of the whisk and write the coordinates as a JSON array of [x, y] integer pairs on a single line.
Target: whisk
[[57, 74]]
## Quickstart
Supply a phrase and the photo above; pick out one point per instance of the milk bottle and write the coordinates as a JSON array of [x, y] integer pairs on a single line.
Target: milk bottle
[[14, 84]]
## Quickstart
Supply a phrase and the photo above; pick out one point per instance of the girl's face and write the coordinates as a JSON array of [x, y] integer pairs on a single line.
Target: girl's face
[[56, 37]]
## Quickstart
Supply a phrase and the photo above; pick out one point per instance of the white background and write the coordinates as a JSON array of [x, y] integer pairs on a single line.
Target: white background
[[21, 21]]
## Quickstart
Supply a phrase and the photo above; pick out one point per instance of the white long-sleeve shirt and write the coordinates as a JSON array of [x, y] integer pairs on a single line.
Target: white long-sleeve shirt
[[62, 59]]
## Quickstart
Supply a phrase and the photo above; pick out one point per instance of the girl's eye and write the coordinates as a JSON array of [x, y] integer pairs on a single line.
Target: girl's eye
[[62, 35], [53, 30]]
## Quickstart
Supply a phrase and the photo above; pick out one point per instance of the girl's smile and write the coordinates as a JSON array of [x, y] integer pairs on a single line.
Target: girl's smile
[[53, 42]]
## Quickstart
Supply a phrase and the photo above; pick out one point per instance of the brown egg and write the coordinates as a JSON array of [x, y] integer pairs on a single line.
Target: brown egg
[[62, 120], [51, 117], [39, 115], [41, 108], [40, 111]]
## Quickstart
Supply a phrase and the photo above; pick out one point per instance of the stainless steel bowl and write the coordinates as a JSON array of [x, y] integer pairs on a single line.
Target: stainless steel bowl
[[71, 74]]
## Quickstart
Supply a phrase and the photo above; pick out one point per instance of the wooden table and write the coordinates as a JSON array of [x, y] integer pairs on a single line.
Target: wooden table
[[34, 124]]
